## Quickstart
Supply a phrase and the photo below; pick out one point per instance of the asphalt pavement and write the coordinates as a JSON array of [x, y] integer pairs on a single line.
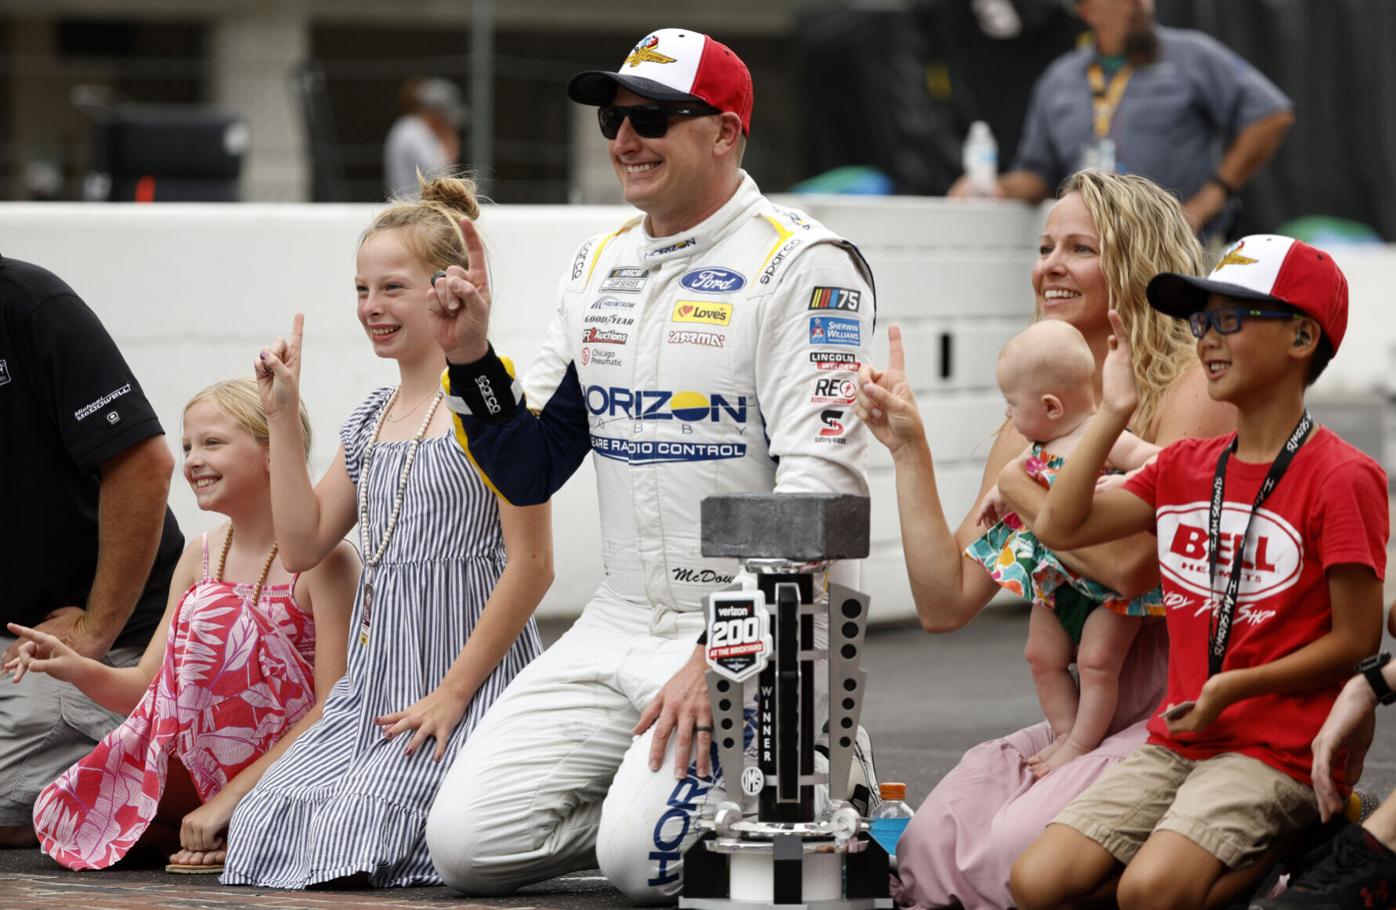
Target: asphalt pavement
[[929, 699]]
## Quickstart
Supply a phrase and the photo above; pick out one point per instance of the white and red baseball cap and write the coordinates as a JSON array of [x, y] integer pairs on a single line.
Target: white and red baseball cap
[[1264, 267], [674, 64]]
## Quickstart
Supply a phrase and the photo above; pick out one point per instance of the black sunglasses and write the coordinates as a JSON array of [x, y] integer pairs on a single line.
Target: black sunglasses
[[648, 120], [1227, 321]]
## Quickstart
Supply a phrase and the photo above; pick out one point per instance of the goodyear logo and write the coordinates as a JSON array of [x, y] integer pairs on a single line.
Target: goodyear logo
[[713, 281], [709, 313], [661, 404]]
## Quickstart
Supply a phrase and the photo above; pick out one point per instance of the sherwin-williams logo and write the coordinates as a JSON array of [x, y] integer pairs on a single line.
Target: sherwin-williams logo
[[709, 313], [833, 330], [1273, 559], [645, 52], [661, 404], [713, 281]]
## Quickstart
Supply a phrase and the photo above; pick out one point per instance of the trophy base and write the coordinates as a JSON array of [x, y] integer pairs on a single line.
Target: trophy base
[[787, 871]]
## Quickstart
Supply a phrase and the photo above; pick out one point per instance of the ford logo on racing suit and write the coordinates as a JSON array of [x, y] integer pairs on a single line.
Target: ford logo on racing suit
[[713, 281]]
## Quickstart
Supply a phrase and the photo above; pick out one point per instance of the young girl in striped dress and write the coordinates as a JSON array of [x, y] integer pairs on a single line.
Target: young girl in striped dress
[[442, 621], [232, 675]]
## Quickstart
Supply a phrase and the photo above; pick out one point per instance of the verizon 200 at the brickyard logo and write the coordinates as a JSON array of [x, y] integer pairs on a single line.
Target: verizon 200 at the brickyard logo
[[1272, 559], [739, 634]]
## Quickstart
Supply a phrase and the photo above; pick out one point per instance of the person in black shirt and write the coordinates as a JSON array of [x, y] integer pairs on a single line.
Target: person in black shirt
[[87, 543]]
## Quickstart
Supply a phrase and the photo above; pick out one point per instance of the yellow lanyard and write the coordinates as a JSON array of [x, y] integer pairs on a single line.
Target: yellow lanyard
[[1106, 100]]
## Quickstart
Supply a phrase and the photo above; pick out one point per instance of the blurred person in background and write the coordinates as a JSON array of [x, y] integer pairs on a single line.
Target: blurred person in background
[[426, 137], [88, 543], [1173, 105]]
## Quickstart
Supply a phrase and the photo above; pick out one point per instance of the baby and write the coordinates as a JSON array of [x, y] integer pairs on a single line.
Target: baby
[[1047, 376]]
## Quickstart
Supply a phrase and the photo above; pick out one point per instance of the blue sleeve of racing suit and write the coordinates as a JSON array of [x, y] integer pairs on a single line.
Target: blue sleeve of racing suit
[[523, 448]]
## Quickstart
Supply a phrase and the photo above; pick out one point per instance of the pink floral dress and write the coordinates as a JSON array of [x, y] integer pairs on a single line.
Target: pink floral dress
[[235, 677]]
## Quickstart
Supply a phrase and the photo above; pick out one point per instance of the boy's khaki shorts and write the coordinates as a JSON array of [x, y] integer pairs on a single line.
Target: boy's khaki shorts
[[1230, 805]]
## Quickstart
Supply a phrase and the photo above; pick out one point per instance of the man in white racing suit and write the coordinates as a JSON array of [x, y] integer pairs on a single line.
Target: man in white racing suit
[[710, 346]]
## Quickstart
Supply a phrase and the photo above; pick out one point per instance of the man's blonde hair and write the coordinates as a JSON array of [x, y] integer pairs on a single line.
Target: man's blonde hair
[[1142, 232], [240, 400]]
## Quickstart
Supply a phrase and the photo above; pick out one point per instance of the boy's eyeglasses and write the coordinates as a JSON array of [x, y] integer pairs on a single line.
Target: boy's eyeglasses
[[1228, 321], [648, 120]]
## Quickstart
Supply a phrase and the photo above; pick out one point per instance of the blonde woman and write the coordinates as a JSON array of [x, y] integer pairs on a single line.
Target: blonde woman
[[1103, 240]]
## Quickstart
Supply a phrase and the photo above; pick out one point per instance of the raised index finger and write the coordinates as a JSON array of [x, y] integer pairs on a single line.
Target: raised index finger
[[297, 331], [896, 356], [474, 248]]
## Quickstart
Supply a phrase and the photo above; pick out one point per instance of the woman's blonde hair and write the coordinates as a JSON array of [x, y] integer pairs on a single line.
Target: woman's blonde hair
[[1142, 232], [433, 234], [239, 399]]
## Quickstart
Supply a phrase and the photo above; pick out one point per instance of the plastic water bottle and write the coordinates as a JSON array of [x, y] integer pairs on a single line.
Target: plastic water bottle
[[981, 159], [890, 818]]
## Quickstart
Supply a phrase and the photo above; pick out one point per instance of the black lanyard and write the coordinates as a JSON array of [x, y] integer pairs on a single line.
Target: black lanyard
[[1220, 631]]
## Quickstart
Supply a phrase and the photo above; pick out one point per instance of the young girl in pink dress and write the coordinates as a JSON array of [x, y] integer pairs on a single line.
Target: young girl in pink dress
[[229, 679]]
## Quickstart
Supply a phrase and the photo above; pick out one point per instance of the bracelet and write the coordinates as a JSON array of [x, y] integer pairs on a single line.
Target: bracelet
[[1225, 187]]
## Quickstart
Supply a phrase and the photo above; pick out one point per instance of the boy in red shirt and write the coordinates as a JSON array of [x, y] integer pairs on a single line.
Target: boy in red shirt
[[1272, 550]]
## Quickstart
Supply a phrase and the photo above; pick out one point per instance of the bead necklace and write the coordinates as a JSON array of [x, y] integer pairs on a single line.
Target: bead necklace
[[266, 564], [371, 557]]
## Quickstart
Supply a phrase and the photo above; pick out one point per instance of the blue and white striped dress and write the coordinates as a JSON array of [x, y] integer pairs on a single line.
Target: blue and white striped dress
[[343, 799]]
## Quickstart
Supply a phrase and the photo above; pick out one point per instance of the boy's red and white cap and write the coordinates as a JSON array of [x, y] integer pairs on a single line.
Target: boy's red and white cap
[[1264, 267], [674, 64]]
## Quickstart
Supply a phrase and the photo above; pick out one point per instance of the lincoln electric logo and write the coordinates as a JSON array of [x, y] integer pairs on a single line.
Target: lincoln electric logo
[[1271, 562], [645, 52]]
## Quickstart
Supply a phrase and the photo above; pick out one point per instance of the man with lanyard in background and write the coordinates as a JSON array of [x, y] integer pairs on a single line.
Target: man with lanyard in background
[[1173, 105], [708, 346]]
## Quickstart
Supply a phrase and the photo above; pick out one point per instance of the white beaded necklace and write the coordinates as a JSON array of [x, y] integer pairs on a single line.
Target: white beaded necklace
[[372, 557]]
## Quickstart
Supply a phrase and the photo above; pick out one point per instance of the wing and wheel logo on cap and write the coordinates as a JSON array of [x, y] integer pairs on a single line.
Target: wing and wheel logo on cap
[[645, 52], [1233, 257]]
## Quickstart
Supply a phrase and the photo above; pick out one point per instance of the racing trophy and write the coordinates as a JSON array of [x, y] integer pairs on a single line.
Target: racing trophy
[[765, 845]]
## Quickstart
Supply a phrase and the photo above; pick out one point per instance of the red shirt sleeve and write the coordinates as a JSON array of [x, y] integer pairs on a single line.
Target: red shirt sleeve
[[1352, 522], [1145, 483]]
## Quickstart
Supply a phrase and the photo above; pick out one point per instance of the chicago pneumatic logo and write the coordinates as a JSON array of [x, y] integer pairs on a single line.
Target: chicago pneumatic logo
[[713, 281], [1272, 560]]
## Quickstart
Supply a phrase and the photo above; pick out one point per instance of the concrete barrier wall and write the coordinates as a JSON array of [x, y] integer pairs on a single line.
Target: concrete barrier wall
[[192, 292]]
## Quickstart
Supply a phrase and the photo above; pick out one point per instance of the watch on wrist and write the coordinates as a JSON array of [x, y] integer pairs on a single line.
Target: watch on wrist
[[1371, 668]]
